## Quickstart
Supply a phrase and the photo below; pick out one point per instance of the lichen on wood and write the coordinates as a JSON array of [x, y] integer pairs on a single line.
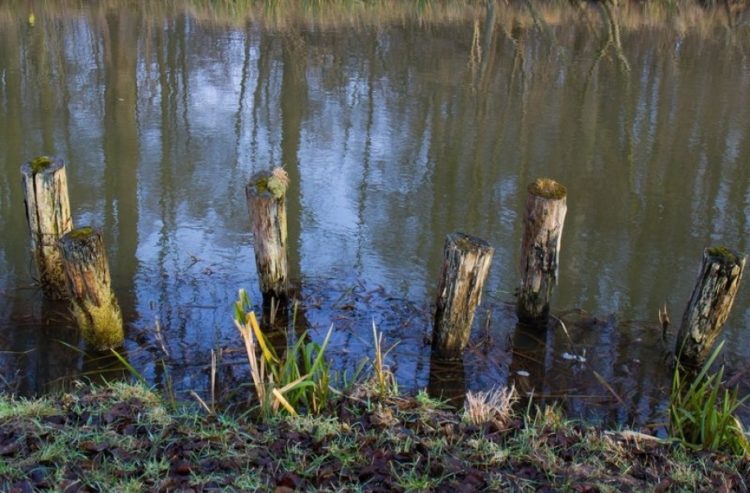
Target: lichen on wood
[[45, 187], [266, 200], [547, 188], [40, 164], [544, 218], [93, 302], [275, 182], [709, 306], [466, 263]]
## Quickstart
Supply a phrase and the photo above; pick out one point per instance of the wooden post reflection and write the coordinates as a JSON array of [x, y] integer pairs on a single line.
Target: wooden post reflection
[[447, 380], [527, 367]]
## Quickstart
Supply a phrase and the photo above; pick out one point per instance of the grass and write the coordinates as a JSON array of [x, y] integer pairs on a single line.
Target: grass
[[297, 379], [702, 411], [115, 437], [493, 405], [383, 379]]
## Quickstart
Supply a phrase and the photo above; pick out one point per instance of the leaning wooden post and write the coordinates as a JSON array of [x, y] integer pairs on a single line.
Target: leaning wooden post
[[266, 200], [466, 263], [94, 304], [709, 305], [45, 192], [540, 249]]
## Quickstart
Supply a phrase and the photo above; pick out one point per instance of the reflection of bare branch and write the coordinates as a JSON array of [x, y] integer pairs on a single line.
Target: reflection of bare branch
[[518, 61], [579, 4], [611, 41], [539, 23], [602, 53], [482, 46], [614, 34], [475, 55]]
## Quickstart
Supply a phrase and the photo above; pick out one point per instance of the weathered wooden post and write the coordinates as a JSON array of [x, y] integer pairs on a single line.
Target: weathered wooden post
[[45, 191], [266, 200], [540, 249], [466, 263], [709, 305], [94, 304]]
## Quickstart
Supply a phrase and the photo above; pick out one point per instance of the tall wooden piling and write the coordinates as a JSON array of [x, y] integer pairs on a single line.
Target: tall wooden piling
[[45, 191], [93, 302], [540, 249], [466, 263], [266, 200], [709, 306]]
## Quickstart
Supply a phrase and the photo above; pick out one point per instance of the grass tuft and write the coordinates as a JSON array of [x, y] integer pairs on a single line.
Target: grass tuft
[[702, 412], [495, 405], [297, 380]]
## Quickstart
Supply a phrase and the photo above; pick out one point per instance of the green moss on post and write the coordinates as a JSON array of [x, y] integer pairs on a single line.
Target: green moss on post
[[94, 305], [45, 189], [540, 249], [266, 201], [709, 306], [40, 164]]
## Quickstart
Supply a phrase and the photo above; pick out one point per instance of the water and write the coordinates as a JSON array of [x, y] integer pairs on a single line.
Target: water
[[394, 133]]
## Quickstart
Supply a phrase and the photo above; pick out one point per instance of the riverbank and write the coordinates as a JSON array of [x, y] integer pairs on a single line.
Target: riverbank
[[125, 437]]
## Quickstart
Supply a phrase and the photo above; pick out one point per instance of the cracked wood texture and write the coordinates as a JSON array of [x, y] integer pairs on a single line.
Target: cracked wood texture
[[544, 218], [266, 201], [709, 306], [466, 263], [93, 302], [45, 193]]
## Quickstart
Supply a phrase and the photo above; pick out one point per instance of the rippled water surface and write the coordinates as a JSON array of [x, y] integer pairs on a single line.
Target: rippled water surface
[[393, 134]]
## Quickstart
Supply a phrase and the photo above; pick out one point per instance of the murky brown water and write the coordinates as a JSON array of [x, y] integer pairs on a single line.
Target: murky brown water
[[393, 135]]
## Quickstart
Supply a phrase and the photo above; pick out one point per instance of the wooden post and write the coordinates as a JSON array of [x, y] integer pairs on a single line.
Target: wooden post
[[540, 249], [709, 305], [94, 304], [45, 191], [266, 200], [466, 263]]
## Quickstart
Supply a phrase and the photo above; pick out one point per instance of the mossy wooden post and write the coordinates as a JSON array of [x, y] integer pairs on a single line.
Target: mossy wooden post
[[45, 192], [94, 304], [466, 263], [709, 305], [540, 249], [266, 200]]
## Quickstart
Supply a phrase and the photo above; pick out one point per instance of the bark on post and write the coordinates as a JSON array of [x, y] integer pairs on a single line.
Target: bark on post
[[266, 200], [540, 249], [466, 263], [94, 305], [709, 305], [45, 190]]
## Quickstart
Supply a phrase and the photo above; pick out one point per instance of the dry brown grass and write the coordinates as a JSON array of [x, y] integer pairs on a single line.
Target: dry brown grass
[[493, 406]]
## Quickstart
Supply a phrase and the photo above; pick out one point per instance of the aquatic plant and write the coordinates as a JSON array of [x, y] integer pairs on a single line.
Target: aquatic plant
[[702, 411], [298, 379], [383, 378]]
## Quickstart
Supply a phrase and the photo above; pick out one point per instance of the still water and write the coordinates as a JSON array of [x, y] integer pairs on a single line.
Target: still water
[[394, 134]]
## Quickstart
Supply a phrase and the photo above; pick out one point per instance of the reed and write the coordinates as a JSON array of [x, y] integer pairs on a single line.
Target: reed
[[702, 412], [383, 378], [296, 381]]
